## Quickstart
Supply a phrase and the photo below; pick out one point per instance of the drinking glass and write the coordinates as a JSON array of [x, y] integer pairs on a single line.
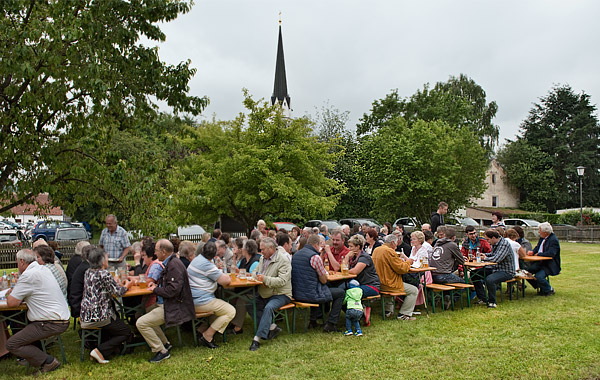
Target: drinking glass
[[242, 274]]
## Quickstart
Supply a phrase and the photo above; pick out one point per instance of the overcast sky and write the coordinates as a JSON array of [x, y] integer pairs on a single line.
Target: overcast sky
[[351, 52]]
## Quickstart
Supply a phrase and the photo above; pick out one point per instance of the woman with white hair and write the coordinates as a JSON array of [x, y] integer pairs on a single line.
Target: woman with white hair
[[74, 262]]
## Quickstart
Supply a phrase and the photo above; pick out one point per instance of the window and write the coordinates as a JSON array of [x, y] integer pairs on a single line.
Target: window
[[494, 178], [495, 201]]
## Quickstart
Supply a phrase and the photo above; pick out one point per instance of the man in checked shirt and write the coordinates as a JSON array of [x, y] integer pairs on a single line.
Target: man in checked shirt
[[501, 254], [115, 242]]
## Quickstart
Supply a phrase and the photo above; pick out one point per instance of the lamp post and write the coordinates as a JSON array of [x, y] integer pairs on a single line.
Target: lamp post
[[580, 171]]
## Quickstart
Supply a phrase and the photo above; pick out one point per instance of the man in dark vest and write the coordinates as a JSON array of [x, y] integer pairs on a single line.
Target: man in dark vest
[[309, 283]]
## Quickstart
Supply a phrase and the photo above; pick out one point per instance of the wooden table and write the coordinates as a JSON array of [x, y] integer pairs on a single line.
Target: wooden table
[[536, 258], [338, 276], [134, 291], [20, 309], [238, 288]]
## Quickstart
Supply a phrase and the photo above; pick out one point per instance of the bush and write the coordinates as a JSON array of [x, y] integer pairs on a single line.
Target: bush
[[590, 218]]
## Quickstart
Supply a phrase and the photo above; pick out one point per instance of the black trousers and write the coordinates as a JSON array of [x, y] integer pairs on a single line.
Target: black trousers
[[113, 335]]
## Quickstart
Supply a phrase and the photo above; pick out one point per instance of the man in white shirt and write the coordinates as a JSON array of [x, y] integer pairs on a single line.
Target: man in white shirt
[[48, 312]]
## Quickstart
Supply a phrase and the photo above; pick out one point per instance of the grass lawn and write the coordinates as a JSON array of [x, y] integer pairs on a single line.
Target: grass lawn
[[554, 337]]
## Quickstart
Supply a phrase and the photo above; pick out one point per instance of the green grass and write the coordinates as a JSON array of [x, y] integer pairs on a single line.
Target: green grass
[[533, 338]]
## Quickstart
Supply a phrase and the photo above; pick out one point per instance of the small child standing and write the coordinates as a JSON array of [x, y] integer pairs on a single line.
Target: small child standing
[[354, 311]]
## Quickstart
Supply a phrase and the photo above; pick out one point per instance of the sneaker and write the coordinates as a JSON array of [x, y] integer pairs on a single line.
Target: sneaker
[[405, 317], [168, 346], [480, 302], [492, 305], [368, 316], [348, 333], [49, 367], [416, 313], [330, 327], [255, 345], [274, 333], [358, 332], [388, 314], [159, 357]]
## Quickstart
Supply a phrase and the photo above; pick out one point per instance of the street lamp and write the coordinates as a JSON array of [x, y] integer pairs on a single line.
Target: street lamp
[[580, 171]]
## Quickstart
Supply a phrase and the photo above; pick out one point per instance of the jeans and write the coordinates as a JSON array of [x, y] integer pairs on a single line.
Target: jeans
[[449, 278], [353, 317], [540, 278], [491, 280], [265, 311]]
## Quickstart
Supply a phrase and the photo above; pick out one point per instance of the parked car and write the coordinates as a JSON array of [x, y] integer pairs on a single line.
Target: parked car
[[284, 226], [331, 224], [521, 222], [71, 234], [12, 238], [409, 223], [460, 221], [46, 229], [5, 226], [360, 221]]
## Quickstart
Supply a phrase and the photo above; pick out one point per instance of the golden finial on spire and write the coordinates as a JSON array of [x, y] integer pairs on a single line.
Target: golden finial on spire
[[279, 17]]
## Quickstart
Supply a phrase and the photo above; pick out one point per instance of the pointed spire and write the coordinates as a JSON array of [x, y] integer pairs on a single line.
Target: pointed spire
[[280, 92]]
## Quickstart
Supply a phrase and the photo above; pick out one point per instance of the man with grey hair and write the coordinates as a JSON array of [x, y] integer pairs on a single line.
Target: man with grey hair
[[48, 312], [115, 242], [309, 283], [390, 269], [274, 270], [346, 230], [547, 246]]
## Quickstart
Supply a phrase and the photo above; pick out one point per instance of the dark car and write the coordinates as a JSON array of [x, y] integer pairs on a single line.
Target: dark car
[[71, 234], [47, 229]]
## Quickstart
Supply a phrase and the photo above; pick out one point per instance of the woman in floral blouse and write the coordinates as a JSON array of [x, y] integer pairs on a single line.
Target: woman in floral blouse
[[98, 308]]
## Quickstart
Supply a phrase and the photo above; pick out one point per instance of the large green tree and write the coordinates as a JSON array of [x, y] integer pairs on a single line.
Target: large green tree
[[407, 169], [530, 170], [72, 69], [560, 133], [259, 165], [460, 102]]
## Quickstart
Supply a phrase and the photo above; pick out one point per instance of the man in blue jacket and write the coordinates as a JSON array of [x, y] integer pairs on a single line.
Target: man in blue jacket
[[548, 246]]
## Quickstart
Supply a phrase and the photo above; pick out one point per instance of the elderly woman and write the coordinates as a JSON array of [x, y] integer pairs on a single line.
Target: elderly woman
[[136, 270], [204, 277], [249, 262], [418, 252], [98, 308], [74, 262], [187, 252]]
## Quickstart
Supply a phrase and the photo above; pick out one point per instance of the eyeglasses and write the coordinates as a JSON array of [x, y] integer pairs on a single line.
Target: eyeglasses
[[472, 233]]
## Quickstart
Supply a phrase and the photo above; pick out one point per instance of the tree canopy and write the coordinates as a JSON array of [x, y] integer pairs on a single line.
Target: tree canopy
[[73, 70], [561, 132], [406, 170], [460, 102], [260, 164]]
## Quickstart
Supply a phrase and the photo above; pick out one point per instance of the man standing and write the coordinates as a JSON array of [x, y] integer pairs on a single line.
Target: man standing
[[48, 312], [503, 255], [548, 246], [437, 218], [115, 242], [309, 279], [174, 302], [275, 272], [390, 269], [338, 251]]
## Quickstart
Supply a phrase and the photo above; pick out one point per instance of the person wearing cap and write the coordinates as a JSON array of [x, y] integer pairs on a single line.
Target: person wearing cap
[[354, 308]]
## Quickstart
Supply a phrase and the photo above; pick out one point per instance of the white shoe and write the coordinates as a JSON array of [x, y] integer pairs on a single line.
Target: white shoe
[[95, 354]]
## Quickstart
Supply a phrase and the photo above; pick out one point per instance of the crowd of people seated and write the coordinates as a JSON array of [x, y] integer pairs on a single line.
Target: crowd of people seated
[[183, 278]]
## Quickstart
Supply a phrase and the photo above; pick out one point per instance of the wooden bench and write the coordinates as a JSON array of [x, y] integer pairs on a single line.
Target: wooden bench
[[461, 285], [281, 313], [304, 308], [392, 295], [522, 280], [439, 288], [196, 322]]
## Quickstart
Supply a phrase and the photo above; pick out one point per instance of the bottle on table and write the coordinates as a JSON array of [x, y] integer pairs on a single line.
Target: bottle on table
[[478, 255]]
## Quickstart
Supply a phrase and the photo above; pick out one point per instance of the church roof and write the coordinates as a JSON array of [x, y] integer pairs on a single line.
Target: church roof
[[280, 91]]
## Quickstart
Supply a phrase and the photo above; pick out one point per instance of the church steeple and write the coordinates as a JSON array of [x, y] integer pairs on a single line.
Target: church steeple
[[280, 91]]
